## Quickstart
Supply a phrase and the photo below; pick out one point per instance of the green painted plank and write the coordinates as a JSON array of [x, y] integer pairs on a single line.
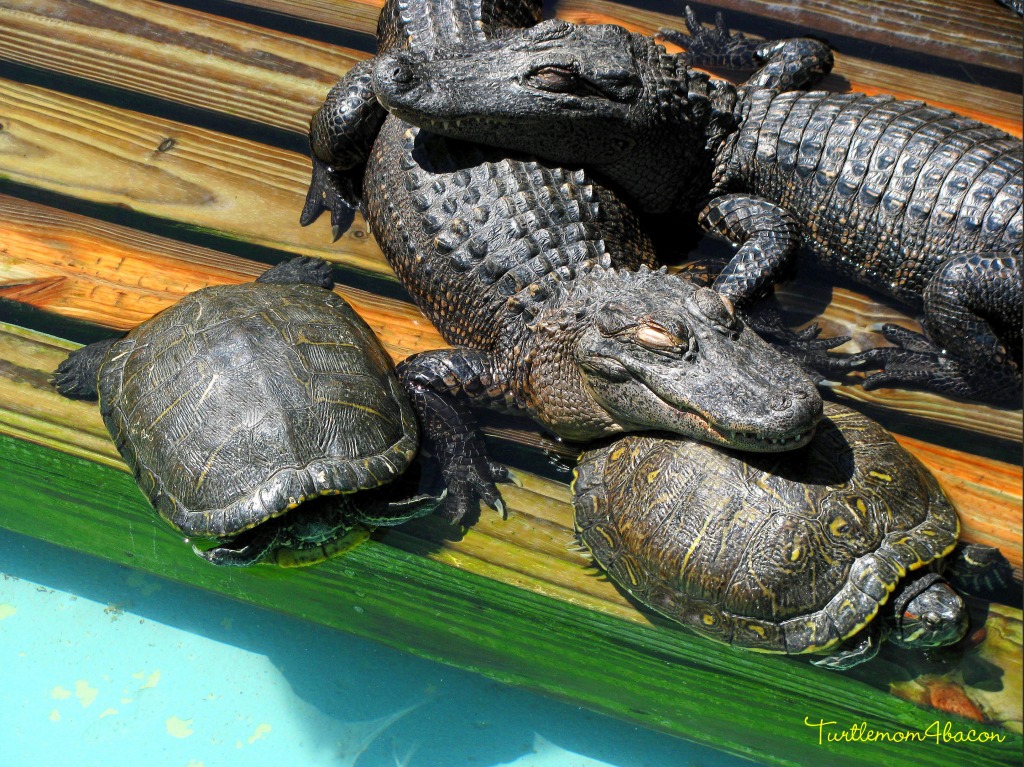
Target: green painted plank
[[656, 676]]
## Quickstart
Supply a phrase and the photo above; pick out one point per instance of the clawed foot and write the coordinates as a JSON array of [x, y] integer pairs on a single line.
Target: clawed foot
[[329, 190], [916, 362], [471, 478], [713, 47], [75, 377], [813, 353]]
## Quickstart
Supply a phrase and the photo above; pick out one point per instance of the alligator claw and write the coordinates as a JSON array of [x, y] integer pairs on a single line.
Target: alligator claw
[[917, 363], [329, 191], [713, 47], [471, 478]]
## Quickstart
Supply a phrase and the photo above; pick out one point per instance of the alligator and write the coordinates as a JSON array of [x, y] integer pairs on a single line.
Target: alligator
[[540, 277], [914, 201]]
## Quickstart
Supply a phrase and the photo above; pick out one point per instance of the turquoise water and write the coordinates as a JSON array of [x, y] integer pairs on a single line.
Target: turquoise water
[[104, 665]]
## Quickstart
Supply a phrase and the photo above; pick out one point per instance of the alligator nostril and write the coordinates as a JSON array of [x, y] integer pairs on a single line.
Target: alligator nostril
[[780, 402], [400, 74]]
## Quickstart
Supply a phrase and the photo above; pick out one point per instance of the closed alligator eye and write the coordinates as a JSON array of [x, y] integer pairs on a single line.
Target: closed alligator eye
[[658, 339], [556, 79]]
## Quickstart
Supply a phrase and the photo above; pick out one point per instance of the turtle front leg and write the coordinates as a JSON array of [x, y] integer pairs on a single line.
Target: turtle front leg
[[972, 346], [782, 65], [438, 382], [77, 376], [860, 651], [303, 270], [341, 134]]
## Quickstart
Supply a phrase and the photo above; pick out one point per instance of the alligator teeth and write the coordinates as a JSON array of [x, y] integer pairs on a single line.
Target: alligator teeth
[[751, 436]]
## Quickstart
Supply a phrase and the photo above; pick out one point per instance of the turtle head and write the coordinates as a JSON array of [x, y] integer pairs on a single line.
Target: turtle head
[[928, 613]]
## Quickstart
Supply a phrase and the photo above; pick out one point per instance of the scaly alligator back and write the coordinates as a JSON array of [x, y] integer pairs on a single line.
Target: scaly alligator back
[[885, 190], [476, 236]]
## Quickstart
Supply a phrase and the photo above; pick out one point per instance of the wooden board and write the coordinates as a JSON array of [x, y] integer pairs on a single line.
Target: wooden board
[[147, 150]]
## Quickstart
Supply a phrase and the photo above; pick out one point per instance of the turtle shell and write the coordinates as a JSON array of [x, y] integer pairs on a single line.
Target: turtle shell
[[784, 552], [240, 402]]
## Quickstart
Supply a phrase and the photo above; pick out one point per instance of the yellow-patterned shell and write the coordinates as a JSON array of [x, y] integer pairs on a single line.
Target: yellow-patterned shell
[[783, 552]]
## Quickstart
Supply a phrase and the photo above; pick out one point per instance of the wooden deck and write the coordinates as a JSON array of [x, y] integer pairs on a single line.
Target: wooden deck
[[148, 149]]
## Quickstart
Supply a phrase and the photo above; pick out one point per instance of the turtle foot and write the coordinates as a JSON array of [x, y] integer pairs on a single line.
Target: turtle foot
[[303, 270], [76, 377]]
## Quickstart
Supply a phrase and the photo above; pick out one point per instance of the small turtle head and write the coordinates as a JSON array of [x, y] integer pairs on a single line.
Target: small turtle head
[[930, 615]]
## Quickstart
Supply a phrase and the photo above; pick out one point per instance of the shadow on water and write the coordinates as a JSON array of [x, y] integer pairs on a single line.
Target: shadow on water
[[352, 694]]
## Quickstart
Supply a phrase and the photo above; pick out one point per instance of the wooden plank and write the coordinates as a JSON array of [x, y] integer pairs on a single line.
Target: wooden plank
[[969, 31], [990, 105], [176, 54], [411, 601], [110, 275], [987, 493], [207, 180]]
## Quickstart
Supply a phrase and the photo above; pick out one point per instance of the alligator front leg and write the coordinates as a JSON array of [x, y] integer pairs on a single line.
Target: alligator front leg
[[972, 317], [439, 382], [341, 134], [768, 237], [782, 65]]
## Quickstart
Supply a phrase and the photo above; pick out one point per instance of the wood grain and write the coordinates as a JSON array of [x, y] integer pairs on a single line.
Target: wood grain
[[176, 54], [969, 30], [207, 180], [85, 269], [118, 277], [990, 105]]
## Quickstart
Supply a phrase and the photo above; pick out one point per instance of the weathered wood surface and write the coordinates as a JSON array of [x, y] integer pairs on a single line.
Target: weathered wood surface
[[206, 186]]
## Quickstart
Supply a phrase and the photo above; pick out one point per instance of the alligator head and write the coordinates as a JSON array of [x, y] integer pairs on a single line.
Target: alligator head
[[596, 95], [655, 351]]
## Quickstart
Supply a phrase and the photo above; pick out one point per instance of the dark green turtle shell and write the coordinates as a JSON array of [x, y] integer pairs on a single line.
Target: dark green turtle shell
[[784, 552], [239, 402]]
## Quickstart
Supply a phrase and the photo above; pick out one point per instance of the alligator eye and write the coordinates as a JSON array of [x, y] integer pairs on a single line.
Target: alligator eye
[[555, 79], [657, 339]]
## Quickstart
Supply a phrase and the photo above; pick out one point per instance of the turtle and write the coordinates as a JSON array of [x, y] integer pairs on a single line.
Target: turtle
[[828, 549], [253, 413]]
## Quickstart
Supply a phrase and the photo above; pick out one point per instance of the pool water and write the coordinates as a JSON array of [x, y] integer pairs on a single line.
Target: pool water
[[104, 665]]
